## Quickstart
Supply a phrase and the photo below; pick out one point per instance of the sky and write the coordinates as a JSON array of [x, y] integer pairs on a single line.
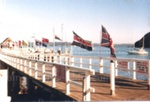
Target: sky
[[125, 20]]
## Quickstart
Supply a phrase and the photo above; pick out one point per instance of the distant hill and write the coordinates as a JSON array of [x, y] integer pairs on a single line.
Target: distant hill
[[146, 41]]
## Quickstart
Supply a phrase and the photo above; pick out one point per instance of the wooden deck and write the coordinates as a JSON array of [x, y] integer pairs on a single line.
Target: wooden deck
[[125, 89]]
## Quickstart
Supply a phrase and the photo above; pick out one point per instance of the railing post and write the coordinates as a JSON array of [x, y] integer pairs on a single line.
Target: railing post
[[134, 69], [67, 80], [149, 75], [65, 60], [90, 63], [15, 62], [20, 64], [72, 61], [36, 72], [59, 59], [25, 65], [30, 70], [112, 78], [101, 66], [53, 76], [18, 61], [80, 62], [116, 69], [83, 89], [86, 87], [43, 72], [12, 61]]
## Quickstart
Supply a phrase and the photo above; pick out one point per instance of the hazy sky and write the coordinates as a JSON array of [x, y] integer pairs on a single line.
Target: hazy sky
[[125, 20]]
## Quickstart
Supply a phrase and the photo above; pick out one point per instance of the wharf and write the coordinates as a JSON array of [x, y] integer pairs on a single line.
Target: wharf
[[44, 74], [126, 89]]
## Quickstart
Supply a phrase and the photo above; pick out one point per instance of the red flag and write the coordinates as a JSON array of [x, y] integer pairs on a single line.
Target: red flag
[[19, 43], [45, 40]]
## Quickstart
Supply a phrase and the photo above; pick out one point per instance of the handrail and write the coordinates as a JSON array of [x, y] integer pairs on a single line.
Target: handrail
[[20, 64]]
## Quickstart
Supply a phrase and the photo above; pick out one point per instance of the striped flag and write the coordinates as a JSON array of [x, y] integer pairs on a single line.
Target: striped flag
[[38, 42], [78, 41], [56, 37], [107, 42], [45, 40]]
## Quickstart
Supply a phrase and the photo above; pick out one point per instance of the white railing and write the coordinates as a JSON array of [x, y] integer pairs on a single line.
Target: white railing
[[84, 64], [37, 68]]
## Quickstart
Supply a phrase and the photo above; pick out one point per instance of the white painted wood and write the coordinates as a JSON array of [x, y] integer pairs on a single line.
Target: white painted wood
[[134, 70], [67, 80], [30, 70], [80, 62], [36, 68], [116, 69], [112, 78], [101, 66], [43, 71], [90, 63], [53, 76], [25, 66], [87, 86]]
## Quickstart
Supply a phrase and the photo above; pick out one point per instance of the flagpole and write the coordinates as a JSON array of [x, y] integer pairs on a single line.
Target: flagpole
[[100, 40], [54, 39], [62, 37]]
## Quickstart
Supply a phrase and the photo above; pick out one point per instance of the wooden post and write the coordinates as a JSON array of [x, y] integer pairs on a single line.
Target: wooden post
[[67, 80], [53, 76], [116, 69], [101, 66], [16, 63], [112, 78], [87, 94], [20, 64], [43, 72], [30, 70], [80, 62], [25, 65], [36, 68], [72, 61], [90, 63], [149, 75], [134, 69], [59, 59], [83, 89], [65, 60]]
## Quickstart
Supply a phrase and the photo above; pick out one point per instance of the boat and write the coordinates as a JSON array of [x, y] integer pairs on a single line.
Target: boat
[[140, 51]]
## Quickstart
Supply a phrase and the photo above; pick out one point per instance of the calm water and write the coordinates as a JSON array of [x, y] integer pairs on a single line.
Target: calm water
[[121, 52]]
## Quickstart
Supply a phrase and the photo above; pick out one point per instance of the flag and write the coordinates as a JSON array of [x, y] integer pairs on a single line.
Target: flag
[[44, 44], [38, 42], [78, 41], [19, 43], [56, 37], [24, 43], [107, 42], [45, 40]]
